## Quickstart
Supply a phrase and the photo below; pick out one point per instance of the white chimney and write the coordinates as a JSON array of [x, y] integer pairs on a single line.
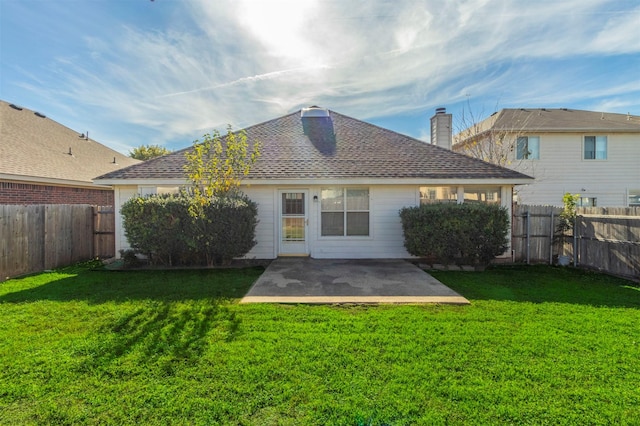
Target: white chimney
[[441, 128]]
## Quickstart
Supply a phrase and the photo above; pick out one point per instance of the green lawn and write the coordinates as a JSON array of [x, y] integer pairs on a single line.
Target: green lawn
[[538, 345]]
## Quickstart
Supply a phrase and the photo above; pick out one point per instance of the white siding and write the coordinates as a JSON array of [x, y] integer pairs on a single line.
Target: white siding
[[265, 197], [122, 195], [562, 168], [385, 240]]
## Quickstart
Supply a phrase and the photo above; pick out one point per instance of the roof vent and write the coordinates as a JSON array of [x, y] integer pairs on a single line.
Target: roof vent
[[40, 114], [14, 106], [441, 110], [314, 111]]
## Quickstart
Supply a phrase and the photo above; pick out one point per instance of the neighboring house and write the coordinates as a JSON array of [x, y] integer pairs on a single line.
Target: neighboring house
[[44, 162], [594, 154], [331, 186]]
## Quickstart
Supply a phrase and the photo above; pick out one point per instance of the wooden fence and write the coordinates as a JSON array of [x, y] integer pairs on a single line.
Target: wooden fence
[[39, 237], [604, 238]]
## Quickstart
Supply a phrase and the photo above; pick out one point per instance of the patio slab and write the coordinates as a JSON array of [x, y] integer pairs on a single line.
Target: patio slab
[[358, 281]]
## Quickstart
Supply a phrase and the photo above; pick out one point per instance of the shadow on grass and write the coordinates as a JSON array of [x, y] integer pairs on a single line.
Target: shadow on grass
[[162, 318], [160, 334], [540, 284], [99, 286]]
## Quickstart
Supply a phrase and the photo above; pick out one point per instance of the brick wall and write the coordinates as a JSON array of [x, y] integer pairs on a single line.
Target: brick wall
[[27, 193]]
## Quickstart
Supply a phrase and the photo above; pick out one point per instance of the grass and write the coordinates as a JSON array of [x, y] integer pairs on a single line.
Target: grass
[[538, 345]]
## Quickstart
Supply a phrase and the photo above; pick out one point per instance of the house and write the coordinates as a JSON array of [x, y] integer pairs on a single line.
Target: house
[[44, 162], [594, 154], [331, 186]]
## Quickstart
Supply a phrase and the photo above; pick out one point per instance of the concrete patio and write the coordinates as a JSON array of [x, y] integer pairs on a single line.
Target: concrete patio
[[357, 281]]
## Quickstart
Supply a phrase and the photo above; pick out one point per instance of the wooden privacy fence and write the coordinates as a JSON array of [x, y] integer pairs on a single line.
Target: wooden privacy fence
[[604, 238], [39, 237], [608, 239]]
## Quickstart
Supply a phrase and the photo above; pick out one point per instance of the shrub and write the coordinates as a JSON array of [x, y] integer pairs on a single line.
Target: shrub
[[180, 229], [155, 225], [224, 228], [474, 233]]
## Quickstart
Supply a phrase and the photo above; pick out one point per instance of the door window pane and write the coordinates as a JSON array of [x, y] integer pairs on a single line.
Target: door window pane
[[292, 229], [292, 203]]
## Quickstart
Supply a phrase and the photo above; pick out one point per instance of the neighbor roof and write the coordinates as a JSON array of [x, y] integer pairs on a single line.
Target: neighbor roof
[[36, 148], [337, 147], [558, 120]]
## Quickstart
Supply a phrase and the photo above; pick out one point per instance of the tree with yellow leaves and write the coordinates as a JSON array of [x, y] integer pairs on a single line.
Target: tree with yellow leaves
[[216, 165]]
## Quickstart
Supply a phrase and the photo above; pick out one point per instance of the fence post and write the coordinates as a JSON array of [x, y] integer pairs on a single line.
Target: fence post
[[528, 237], [551, 240], [575, 241]]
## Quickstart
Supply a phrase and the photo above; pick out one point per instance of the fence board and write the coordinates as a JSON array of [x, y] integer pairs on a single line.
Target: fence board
[[38, 237], [606, 238], [104, 240]]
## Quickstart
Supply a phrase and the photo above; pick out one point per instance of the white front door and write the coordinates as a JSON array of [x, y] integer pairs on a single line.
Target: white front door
[[294, 222]]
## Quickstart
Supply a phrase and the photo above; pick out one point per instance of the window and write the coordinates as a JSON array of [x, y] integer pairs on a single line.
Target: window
[[344, 212], [482, 194], [438, 194], [634, 198], [587, 202], [528, 148], [595, 147]]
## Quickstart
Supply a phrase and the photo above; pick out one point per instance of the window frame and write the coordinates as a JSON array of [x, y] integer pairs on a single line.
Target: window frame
[[529, 154], [345, 211], [595, 151], [453, 194]]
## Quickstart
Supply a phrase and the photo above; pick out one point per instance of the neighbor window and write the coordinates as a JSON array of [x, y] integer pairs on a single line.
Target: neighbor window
[[595, 147], [634, 198], [482, 194], [438, 194], [528, 148], [587, 202], [345, 212]]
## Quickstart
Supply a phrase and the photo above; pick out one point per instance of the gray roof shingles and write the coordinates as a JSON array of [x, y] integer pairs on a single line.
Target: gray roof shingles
[[337, 148], [564, 120], [36, 146]]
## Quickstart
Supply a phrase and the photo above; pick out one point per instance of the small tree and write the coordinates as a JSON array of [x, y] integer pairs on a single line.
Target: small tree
[[566, 220], [147, 152], [224, 220], [568, 214], [216, 165], [476, 137]]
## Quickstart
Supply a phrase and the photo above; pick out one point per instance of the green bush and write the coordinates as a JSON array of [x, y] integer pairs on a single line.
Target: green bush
[[471, 233], [224, 228], [182, 230]]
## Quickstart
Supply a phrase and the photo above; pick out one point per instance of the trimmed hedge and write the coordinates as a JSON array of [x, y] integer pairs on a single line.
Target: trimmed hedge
[[471, 233], [177, 230]]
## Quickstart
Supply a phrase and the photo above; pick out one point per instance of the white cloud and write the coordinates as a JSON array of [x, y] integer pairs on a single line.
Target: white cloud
[[247, 61]]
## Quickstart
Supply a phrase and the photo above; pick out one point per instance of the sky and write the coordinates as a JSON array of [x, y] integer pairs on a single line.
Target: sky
[[165, 72]]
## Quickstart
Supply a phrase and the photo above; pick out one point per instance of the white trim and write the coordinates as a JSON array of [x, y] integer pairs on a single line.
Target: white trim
[[305, 251], [335, 181], [141, 181], [55, 182]]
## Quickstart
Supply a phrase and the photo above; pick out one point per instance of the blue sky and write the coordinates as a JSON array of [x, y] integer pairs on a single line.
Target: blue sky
[[165, 72]]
